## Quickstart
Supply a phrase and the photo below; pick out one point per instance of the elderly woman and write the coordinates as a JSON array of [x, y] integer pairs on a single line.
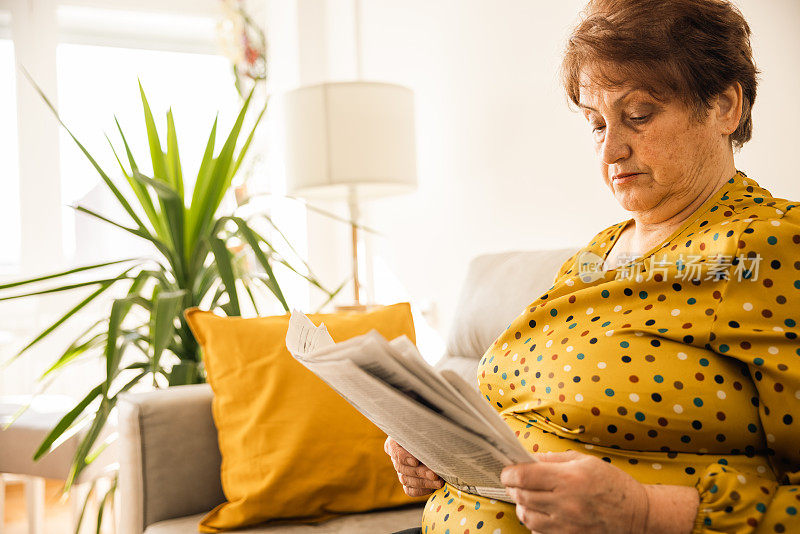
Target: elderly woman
[[658, 379]]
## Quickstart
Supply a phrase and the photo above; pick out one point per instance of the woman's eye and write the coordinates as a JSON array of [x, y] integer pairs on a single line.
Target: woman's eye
[[597, 128], [640, 119]]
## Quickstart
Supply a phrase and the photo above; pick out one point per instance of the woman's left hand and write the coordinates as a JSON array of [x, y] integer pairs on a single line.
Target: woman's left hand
[[572, 492]]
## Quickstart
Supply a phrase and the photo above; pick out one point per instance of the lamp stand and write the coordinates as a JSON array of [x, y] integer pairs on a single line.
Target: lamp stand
[[355, 264], [354, 215]]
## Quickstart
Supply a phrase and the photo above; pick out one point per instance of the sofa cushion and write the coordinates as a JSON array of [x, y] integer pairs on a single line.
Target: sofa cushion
[[497, 289], [367, 523], [158, 431], [292, 448], [467, 368]]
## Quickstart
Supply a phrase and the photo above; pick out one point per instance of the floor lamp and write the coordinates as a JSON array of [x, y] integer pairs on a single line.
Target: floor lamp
[[350, 141]]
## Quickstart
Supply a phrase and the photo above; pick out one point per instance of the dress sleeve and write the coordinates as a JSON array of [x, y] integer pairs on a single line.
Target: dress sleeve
[[757, 323]]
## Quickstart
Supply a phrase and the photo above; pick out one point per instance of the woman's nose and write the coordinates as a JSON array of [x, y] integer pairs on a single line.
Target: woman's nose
[[615, 146]]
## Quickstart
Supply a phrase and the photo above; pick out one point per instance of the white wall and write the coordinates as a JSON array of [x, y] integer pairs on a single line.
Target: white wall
[[503, 163]]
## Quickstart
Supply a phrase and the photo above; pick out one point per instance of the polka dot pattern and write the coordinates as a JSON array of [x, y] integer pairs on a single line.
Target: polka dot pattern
[[674, 380]]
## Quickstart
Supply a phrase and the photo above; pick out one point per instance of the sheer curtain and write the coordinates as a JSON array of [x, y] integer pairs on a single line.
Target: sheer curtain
[[9, 172]]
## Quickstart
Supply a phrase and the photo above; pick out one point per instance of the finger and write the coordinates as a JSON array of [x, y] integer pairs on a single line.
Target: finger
[[422, 471], [532, 476], [402, 455], [540, 501], [416, 482], [559, 457], [416, 492], [534, 520], [386, 446]]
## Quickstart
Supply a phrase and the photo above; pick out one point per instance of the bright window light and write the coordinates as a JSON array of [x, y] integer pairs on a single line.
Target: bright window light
[[9, 173], [96, 83]]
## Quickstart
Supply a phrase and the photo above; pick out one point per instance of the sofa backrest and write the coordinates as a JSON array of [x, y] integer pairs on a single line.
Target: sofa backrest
[[498, 287]]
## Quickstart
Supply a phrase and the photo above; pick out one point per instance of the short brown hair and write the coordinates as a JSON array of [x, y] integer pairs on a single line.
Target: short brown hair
[[690, 49]]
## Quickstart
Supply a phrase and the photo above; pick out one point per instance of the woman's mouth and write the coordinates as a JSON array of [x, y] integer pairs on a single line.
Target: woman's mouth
[[624, 177]]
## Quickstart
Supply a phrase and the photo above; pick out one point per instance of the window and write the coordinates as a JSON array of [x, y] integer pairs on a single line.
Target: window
[[88, 58], [96, 83], [9, 179], [101, 55]]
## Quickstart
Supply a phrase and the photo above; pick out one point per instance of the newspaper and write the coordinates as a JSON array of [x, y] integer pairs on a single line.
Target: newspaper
[[436, 416]]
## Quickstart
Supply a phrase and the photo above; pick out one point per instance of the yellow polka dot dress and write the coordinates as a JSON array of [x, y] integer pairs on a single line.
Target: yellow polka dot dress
[[680, 367]]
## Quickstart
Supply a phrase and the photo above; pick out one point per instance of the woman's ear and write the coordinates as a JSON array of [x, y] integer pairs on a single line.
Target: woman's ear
[[728, 108]]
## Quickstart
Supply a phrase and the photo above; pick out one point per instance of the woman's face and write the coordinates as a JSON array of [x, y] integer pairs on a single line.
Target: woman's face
[[654, 155]]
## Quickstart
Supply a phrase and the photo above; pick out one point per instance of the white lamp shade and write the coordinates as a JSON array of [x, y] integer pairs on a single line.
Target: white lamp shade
[[350, 137]]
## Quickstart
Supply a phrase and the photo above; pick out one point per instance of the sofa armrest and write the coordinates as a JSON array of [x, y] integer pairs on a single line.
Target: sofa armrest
[[169, 456]]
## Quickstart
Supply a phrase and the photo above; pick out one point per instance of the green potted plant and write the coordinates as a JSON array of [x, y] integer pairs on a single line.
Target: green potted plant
[[201, 257]]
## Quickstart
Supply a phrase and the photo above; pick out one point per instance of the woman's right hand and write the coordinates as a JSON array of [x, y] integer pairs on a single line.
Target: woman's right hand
[[417, 480]]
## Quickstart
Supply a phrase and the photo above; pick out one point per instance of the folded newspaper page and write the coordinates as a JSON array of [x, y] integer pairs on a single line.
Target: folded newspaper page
[[438, 417]]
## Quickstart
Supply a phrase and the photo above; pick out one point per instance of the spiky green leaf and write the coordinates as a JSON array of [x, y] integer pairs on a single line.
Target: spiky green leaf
[[67, 421], [173, 157], [65, 273], [156, 153], [162, 323], [223, 260]]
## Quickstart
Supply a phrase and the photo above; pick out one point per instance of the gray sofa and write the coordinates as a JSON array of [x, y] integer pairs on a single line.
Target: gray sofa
[[169, 458]]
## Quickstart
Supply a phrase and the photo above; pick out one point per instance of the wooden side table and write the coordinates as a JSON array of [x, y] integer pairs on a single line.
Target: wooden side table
[[18, 444]]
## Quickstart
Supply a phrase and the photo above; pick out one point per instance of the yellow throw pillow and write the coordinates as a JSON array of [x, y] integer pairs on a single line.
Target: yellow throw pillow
[[292, 448]]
